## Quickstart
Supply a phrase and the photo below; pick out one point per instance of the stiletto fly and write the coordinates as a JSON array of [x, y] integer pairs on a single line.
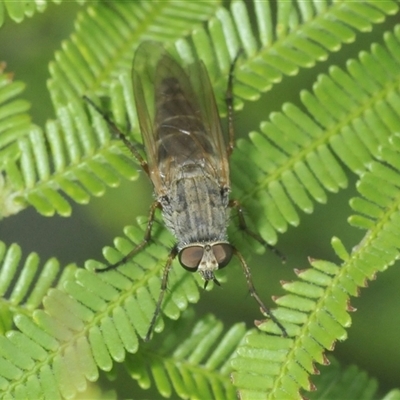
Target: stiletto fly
[[187, 161]]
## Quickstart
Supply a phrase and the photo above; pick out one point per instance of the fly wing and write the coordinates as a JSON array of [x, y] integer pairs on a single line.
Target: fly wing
[[146, 58], [178, 118], [208, 109]]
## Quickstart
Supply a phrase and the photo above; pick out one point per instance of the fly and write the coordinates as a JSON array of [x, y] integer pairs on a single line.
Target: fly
[[187, 162]]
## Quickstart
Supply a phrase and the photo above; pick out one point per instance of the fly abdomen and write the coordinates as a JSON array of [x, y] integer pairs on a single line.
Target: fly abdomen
[[197, 212]]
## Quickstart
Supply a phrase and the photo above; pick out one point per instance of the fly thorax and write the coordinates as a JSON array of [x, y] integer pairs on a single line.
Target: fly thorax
[[190, 169]]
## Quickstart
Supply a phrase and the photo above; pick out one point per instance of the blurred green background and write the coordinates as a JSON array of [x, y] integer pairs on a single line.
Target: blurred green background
[[373, 342]]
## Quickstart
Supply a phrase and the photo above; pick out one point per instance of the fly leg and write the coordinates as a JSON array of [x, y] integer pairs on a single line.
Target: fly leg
[[164, 282], [253, 291], [243, 226], [141, 245], [120, 136], [229, 105], [145, 167]]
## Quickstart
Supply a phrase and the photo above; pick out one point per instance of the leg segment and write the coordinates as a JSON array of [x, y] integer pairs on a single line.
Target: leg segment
[[243, 226], [164, 282], [120, 136], [253, 291], [141, 245]]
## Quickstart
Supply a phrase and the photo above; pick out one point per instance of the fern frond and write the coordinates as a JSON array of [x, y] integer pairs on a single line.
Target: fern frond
[[14, 124], [23, 286], [315, 315], [302, 34], [106, 36], [337, 382], [19, 10], [315, 310], [93, 320], [193, 359], [378, 208], [81, 163], [350, 115]]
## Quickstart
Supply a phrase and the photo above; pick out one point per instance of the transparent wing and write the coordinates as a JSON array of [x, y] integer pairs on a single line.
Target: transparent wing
[[200, 81], [178, 117], [143, 70]]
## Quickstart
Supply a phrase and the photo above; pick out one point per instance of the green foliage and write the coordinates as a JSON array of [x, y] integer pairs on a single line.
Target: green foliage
[[197, 366], [315, 310], [337, 380], [18, 10], [60, 329]]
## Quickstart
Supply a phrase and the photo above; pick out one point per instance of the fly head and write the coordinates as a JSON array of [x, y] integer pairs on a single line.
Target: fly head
[[206, 258]]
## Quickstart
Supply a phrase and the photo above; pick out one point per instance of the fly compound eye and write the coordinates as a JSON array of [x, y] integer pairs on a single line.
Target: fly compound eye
[[223, 254], [190, 257]]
